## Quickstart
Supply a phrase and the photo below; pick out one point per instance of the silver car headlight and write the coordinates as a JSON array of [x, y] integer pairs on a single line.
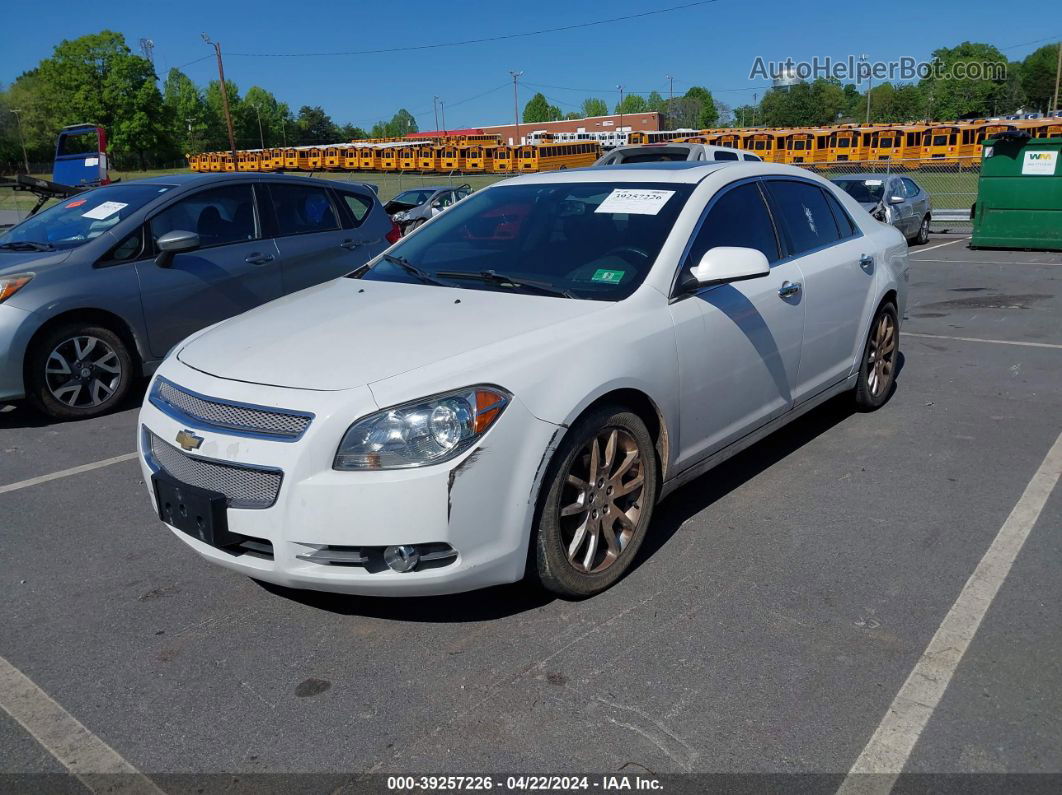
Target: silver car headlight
[[400, 216], [422, 432]]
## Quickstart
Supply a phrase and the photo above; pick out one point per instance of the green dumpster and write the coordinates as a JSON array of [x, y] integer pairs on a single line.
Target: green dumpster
[[1019, 194]]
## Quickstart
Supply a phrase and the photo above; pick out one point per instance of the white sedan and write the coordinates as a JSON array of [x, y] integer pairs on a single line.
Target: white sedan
[[511, 389]]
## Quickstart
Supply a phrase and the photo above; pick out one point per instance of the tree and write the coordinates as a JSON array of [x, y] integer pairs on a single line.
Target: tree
[[314, 126], [655, 102], [592, 106], [186, 111], [1037, 73], [539, 110], [708, 115], [958, 87], [349, 132], [260, 103], [682, 113], [632, 103], [803, 104]]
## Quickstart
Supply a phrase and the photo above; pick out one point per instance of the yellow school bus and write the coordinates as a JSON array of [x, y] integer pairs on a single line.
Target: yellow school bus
[[940, 142], [480, 157], [387, 158], [366, 158], [427, 157], [247, 160], [504, 159], [194, 162], [883, 143], [798, 147], [973, 135], [557, 156], [844, 144], [453, 157], [350, 157], [407, 157], [762, 143], [332, 158]]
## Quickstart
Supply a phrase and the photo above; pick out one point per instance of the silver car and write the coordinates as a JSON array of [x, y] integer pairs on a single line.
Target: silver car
[[411, 208], [95, 290], [671, 152], [895, 200]]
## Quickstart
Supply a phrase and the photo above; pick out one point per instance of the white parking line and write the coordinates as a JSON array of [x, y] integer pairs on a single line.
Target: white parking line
[[979, 262], [66, 738], [890, 747], [982, 339], [64, 473], [941, 245]]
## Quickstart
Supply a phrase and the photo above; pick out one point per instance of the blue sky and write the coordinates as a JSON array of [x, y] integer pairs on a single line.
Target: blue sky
[[712, 45]]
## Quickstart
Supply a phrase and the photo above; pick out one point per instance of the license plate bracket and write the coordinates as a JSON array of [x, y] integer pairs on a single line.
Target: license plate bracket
[[199, 512]]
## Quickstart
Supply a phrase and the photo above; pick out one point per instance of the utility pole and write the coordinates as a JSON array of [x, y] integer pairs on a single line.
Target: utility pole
[[442, 110], [863, 59], [22, 138], [670, 98], [258, 113], [620, 109], [191, 137], [435, 110], [224, 98], [1058, 78], [516, 105]]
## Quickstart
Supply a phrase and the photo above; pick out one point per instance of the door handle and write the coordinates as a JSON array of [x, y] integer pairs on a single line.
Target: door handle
[[350, 245], [258, 259], [789, 289], [866, 262]]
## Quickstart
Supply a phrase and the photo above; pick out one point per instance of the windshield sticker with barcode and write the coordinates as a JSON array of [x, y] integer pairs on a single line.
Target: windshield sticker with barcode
[[105, 210], [636, 201]]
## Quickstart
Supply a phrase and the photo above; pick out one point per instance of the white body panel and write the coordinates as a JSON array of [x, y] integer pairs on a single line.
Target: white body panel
[[720, 367]]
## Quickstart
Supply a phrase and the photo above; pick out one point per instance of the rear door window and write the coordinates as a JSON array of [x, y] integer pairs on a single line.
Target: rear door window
[[359, 206], [910, 186], [806, 218], [302, 209]]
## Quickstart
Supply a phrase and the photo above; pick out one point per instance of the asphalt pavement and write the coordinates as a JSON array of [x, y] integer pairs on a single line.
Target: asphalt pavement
[[778, 607]]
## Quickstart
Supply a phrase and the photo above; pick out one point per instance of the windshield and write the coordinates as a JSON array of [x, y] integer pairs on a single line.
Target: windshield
[[76, 220], [862, 190], [413, 197], [593, 240]]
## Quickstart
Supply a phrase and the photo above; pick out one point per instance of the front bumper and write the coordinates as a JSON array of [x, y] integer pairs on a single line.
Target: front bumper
[[481, 503], [16, 329]]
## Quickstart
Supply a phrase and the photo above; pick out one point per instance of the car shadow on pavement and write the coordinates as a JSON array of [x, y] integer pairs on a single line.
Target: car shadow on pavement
[[22, 414], [483, 605]]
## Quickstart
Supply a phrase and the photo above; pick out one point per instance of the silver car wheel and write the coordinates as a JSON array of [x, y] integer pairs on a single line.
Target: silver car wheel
[[83, 372]]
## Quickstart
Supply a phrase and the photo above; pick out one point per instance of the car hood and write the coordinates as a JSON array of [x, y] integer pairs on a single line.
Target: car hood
[[350, 332], [12, 262], [868, 206]]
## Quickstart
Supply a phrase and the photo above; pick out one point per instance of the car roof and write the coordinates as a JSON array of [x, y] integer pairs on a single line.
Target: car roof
[[865, 176], [183, 180]]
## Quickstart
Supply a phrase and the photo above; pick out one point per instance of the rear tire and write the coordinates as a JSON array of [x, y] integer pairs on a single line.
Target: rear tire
[[922, 237], [78, 370], [596, 506], [877, 371]]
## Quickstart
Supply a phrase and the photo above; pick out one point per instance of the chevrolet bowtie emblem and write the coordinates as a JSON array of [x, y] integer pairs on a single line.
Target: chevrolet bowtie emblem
[[188, 440]]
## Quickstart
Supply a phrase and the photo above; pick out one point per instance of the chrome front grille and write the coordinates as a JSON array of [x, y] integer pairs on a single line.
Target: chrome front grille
[[244, 486], [240, 418]]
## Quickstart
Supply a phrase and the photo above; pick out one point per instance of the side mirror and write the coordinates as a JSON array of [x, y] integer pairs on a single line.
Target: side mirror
[[729, 264], [897, 200], [173, 243]]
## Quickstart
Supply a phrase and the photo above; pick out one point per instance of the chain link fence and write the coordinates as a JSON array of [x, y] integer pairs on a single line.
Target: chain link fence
[[951, 185]]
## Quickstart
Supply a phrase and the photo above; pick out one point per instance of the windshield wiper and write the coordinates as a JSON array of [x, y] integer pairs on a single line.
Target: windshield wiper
[[511, 281], [27, 245], [413, 270]]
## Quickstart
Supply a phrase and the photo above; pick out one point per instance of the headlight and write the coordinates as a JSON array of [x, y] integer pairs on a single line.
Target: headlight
[[427, 431], [9, 285], [400, 216]]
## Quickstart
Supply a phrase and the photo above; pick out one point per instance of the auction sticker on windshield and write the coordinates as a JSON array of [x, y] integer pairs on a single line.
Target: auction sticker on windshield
[[105, 210], [635, 201]]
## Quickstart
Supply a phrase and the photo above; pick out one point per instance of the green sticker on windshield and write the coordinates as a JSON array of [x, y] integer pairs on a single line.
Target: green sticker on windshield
[[607, 276]]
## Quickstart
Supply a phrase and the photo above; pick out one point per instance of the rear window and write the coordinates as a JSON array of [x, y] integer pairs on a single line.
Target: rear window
[[302, 209]]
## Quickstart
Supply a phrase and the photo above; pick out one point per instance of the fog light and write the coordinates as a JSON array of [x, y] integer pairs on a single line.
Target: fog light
[[401, 559]]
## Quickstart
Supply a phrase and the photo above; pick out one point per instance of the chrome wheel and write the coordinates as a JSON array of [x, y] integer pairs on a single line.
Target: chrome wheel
[[83, 372], [882, 354], [601, 500]]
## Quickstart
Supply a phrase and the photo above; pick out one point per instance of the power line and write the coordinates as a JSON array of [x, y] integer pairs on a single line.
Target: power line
[[483, 40]]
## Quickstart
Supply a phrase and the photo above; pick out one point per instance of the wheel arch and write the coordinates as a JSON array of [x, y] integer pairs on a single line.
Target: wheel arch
[[101, 317]]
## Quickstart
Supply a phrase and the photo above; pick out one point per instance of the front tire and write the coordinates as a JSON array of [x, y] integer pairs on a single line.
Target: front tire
[[76, 371], [597, 504], [922, 237], [877, 371]]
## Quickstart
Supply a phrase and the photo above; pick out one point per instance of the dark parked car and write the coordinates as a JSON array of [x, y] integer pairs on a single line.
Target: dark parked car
[[95, 290]]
